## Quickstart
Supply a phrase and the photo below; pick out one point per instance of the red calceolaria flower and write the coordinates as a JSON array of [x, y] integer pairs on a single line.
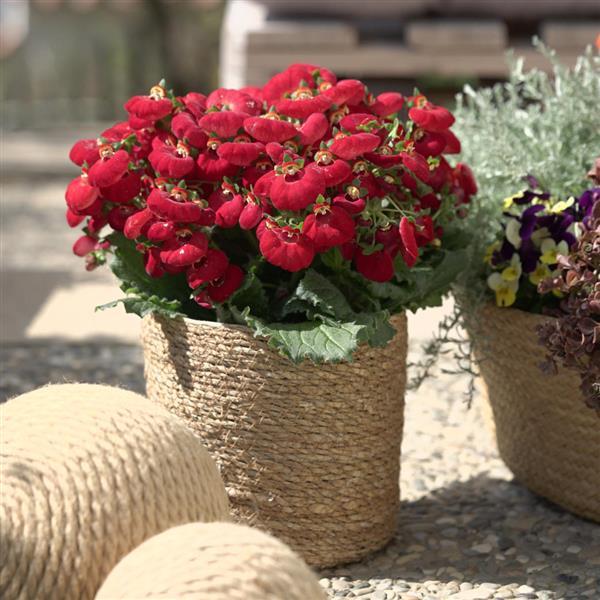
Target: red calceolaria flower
[[328, 226], [203, 186], [286, 247]]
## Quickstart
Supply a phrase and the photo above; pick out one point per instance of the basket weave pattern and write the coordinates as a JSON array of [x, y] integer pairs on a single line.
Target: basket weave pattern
[[546, 435], [308, 452]]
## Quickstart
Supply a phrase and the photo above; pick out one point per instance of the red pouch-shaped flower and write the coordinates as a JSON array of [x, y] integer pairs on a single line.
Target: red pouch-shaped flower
[[409, 248], [138, 223], [153, 107], [174, 206], [352, 146], [225, 124], [172, 161], [237, 101], [267, 129], [221, 289], [346, 91], [387, 104], [313, 129], [185, 126], [186, 248], [228, 214], [80, 194], [117, 217], [296, 190], [429, 116], [328, 226], [241, 154], [377, 266], [208, 268], [286, 247], [84, 151], [124, 190], [109, 168]]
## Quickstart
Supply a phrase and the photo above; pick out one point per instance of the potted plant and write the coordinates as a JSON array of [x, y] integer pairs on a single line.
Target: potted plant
[[272, 239], [543, 129]]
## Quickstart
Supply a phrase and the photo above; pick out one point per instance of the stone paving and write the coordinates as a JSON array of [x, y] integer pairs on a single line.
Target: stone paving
[[466, 530]]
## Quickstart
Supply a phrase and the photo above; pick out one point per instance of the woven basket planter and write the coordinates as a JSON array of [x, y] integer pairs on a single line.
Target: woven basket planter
[[546, 435], [309, 453]]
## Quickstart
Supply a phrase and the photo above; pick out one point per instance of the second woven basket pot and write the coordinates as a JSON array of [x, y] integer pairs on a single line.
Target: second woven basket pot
[[310, 453], [546, 435]]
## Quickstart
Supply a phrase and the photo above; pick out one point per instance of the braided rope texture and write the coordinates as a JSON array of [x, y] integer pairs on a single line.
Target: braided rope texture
[[309, 453], [546, 435], [88, 473], [212, 561]]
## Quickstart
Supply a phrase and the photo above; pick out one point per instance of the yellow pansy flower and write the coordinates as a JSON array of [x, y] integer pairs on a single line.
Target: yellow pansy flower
[[506, 291], [514, 270], [561, 206], [541, 272], [508, 202], [489, 252], [512, 233], [550, 251]]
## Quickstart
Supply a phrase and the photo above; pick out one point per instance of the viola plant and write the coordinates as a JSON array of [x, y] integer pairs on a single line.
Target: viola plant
[[573, 337], [308, 209], [537, 229]]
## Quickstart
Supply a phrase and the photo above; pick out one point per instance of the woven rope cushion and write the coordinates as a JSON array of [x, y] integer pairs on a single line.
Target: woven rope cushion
[[212, 561], [88, 473]]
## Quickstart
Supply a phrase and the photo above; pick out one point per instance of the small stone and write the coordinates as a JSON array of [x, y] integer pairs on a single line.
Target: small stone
[[325, 582], [525, 589], [482, 548], [362, 591], [340, 584], [573, 549], [466, 586], [476, 594], [379, 595], [522, 559]]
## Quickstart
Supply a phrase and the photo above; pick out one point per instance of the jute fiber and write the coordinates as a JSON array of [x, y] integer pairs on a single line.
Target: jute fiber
[[545, 433], [308, 452], [212, 561], [88, 473]]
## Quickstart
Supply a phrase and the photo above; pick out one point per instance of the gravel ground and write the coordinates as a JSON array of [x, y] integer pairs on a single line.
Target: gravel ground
[[466, 530]]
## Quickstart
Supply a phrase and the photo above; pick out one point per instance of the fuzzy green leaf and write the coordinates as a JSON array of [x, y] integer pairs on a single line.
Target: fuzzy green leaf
[[144, 306], [318, 291]]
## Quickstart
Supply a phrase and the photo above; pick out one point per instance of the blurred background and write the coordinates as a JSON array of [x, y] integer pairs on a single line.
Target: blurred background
[[67, 66]]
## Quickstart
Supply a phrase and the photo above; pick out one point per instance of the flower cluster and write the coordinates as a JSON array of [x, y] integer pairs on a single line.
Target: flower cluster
[[305, 164], [537, 229], [573, 338]]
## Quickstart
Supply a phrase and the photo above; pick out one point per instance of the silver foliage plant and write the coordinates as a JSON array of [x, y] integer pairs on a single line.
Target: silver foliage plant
[[545, 125]]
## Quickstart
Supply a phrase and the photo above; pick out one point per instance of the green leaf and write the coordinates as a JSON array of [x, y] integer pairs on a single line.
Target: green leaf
[[313, 340], [251, 295], [318, 291], [377, 328], [144, 306]]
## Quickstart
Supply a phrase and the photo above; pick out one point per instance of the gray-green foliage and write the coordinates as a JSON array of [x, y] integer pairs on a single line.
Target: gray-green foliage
[[541, 124]]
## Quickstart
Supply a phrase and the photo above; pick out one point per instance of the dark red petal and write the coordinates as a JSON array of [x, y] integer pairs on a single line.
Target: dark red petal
[[346, 91], [165, 207], [107, 171], [152, 263], [228, 214], [168, 163], [452, 143], [84, 245], [84, 151], [409, 248], [313, 129], [298, 191], [195, 103], [160, 231], [291, 252], [117, 217], [224, 124], [136, 223], [424, 230], [145, 107], [262, 188], [231, 281], [138, 124], [234, 100], [390, 239], [335, 173], [417, 165], [387, 104], [116, 133], [377, 266], [384, 160], [352, 121], [302, 108], [269, 130], [212, 168], [124, 190], [285, 82], [185, 127], [431, 117], [431, 144], [73, 219], [330, 229], [178, 252], [80, 195], [251, 215], [353, 146], [241, 154], [275, 151], [210, 267], [354, 207]]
